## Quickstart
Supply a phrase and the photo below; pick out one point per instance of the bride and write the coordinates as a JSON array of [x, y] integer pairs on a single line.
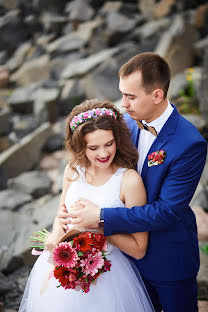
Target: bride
[[102, 172]]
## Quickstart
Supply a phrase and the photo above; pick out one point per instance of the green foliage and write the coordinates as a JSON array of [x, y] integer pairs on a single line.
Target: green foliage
[[187, 103], [204, 249]]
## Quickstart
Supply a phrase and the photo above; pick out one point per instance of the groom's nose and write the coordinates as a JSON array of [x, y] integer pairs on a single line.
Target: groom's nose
[[125, 101]]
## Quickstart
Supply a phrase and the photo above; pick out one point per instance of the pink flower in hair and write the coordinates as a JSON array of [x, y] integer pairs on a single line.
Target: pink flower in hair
[[97, 111], [85, 115]]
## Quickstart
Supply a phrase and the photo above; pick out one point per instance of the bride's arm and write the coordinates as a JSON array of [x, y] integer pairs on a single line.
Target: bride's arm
[[133, 194], [53, 238]]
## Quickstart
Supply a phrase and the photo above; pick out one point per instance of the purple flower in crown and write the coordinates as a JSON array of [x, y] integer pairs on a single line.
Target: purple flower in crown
[[91, 113], [80, 118]]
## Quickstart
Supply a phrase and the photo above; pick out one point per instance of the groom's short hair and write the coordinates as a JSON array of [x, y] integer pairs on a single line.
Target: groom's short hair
[[154, 69]]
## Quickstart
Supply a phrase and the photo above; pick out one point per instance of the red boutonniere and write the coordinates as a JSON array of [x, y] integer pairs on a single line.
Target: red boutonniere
[[156, 158]]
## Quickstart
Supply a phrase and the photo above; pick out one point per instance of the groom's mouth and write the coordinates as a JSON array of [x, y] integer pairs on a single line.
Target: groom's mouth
[[103, 160]]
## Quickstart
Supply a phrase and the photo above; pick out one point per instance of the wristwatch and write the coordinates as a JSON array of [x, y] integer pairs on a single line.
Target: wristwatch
[[101, 223]]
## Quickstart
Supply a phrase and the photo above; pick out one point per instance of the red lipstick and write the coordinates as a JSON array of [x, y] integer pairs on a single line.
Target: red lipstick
[[104, 160]]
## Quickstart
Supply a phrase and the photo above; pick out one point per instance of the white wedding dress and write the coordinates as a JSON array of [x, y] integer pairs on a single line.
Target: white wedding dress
[[119, 290]]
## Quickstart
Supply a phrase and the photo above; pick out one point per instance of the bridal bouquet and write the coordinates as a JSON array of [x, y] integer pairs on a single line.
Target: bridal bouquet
[[79, 262]]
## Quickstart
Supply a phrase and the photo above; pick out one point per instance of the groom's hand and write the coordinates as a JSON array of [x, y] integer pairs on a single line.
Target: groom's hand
[[85, 213]]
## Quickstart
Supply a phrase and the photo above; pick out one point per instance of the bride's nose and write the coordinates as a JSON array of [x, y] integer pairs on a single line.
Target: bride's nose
[[103, 153]]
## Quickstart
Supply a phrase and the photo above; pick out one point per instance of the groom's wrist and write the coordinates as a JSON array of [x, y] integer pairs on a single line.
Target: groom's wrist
[[101, 223]]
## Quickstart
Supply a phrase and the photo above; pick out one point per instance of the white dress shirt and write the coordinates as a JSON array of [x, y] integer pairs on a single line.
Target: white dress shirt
[[146, 138]]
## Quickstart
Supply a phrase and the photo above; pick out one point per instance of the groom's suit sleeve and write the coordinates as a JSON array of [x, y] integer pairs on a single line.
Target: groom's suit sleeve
[[173, 202]]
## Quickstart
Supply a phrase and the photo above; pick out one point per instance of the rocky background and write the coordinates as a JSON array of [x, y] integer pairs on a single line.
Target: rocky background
[[53, 55]]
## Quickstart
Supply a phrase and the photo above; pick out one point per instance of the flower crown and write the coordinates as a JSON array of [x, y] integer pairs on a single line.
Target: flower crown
[[91, 114]]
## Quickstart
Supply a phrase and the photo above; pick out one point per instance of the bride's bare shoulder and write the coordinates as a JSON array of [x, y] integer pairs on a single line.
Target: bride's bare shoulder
[[68, 172], [131, 177]]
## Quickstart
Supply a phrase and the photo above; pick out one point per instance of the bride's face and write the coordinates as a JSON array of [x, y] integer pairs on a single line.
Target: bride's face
[[100, 148]]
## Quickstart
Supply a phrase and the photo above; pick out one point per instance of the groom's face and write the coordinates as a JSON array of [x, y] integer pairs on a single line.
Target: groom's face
[[139, 105]]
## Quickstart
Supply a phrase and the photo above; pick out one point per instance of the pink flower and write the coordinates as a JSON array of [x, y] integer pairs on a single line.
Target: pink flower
[[85, 115], [92, 263], [65, 255], [107, 265], [97, 111]]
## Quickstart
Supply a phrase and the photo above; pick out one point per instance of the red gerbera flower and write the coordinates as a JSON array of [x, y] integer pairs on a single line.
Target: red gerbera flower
[[62, 274], [98, 240], [84, 241]]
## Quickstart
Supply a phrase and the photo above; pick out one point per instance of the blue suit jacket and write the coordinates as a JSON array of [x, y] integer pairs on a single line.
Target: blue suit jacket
[[172, 252]]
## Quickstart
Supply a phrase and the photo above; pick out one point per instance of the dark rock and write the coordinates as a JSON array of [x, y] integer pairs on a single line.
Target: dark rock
[[83, 66], [3, 180], [3, 57], [117, 26], [54, 143], [53, 22], [33, 71], [45, 104], [34, 183], [25, 154], [5, 285], [72, 94], [5, 121], [13, 30], [103, 82], [203, 90], [24, 124], [59, 63], [5, 143], [20, 99], [79, 10], [19, 56], [12, 199], [52, 5], [201, 19], [4, 77], [14, 264], [177, 45]]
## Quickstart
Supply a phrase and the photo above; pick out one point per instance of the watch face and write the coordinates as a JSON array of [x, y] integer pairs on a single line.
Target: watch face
[[101, 223]]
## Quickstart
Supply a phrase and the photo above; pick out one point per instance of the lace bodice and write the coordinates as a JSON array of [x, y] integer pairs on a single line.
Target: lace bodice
[[105, 196]]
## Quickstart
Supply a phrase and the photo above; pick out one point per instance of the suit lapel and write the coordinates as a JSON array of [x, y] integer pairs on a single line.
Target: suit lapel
[[167, 130]]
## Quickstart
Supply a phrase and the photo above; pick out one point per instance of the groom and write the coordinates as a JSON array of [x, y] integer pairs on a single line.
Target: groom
[[170, 266]]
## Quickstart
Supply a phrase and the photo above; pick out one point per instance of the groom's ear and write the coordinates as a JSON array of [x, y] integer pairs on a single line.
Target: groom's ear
[[158, 95]]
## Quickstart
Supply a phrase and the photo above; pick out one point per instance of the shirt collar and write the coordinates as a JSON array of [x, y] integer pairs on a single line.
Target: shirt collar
[[161, 120]]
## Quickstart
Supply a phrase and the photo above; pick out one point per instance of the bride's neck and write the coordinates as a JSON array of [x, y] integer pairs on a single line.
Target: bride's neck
[[96, 175]]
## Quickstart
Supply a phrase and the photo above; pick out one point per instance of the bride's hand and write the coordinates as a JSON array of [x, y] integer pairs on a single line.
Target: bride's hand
[[51, 240]]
